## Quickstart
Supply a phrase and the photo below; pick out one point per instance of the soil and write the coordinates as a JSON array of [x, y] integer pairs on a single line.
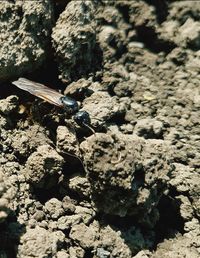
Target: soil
[[132, 187]]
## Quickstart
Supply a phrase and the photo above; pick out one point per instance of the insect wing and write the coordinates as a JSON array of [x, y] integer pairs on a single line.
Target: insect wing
[[40, 90]]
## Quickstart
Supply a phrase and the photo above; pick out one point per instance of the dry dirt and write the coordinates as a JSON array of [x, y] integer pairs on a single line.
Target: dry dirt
[[132, 189]]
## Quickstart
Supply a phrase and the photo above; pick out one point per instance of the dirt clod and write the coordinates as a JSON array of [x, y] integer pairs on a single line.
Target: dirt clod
[[43, 167], [127, 185]]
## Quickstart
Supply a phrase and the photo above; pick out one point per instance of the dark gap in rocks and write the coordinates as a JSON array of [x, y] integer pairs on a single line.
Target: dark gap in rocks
[[149, 37], [48, 74], [161, 7], [170, 222], [181, 159], [11, 121], [72, 165], [43, 195], [8, 89], [111, 87], [117, 119], [21, 159], [10, 234], [59, 7], [120, 50], [139, 176], [122, 223], [115, 221], [89, 254], [124, 10]]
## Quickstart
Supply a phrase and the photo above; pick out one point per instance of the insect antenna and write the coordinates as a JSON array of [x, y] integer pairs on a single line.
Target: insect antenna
[[90, 128], [70, 155]]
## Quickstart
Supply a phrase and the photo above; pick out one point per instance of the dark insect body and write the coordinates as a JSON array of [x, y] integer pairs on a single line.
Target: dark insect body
[[70, 105]]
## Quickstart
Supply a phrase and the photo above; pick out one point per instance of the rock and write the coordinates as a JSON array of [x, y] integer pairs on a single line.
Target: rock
[[68, 205], [80, 185], [76, 251], [66, 222], [189, 33], [25, 29], [7, 195], [39, 215], [125, 172], [110, 239], [86, 214], [74, 40], [9, 105], [62, 254], [186, 210], [53, 208], [39, 242], [185, 35], [67, 141], [102, 107], [43, 167], [26, 141], [83, 235], [179, 247], [123, 243], [149, 128]]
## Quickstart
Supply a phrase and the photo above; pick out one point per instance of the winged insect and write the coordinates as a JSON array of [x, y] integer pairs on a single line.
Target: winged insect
[[70, 105]]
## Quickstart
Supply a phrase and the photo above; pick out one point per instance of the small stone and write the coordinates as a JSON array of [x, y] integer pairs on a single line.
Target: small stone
[[9, 105], [43, 167], [68, 205], [39, 215], [80, 185], [67, 141], [62, 254], [76, 251], [54, 208], [85, 236], [66, 222]]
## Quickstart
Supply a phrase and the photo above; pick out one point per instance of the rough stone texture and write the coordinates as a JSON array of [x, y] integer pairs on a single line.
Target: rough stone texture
[[115, 243], [149, 128], [54, 208], [187, 35], [68, 205], [39, 242], [67, 222], [176, 248], [74, 40], [83, 235], [24, 36], [80, 185], [9, 105], [26, 141], [102, 106], [129, 165], [67, 141], [43, 167], [4, 197]]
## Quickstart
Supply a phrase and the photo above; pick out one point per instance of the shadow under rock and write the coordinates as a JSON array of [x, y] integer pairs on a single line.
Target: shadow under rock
[[10, 234]]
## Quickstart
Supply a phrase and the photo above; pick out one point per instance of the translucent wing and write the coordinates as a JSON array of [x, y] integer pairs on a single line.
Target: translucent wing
[[40, 91]]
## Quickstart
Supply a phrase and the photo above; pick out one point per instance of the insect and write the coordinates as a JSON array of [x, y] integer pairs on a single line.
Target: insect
[[82, 118]]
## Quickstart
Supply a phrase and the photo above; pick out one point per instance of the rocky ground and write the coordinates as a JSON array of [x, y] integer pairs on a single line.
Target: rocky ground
[[132, 188]]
